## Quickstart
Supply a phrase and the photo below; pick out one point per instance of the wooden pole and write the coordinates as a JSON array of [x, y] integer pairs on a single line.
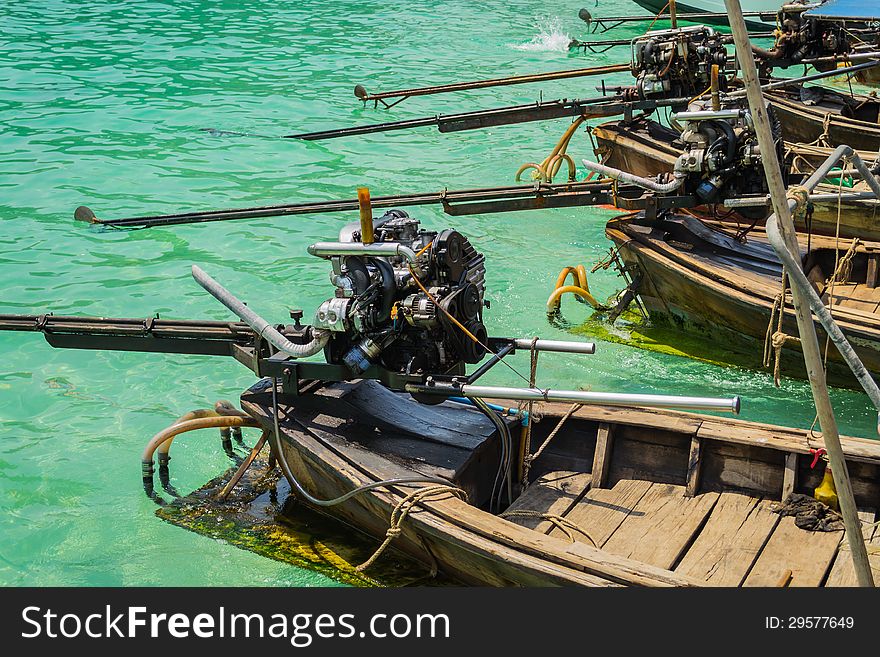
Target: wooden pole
[[806, 328], [673, 17]]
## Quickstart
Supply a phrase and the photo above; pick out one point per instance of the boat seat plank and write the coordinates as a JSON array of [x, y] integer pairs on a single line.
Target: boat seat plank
[[842, 572], [807, 554], [661, 526], [552, 493], [601, 510], [731, 540]]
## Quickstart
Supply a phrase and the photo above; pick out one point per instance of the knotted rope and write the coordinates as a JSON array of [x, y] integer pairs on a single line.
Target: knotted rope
[[774, 341], [845, 265], [564, 525], [822, 139], [401, 511], [800, 195]]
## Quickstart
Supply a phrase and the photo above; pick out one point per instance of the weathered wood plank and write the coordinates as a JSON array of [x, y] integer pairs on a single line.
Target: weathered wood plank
[[661, 526], [602, 455], [553, 493], [783, 438], [602, 510], [731, 540], [842, 572], [789, 476], [742, 468], [808, 555], [694, 466], [873, 270]]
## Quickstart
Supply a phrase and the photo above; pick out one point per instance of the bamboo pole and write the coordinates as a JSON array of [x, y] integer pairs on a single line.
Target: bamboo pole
[[806, 328]]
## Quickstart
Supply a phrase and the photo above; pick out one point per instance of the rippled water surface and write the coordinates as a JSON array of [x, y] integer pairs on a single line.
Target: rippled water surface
[[102, 103]]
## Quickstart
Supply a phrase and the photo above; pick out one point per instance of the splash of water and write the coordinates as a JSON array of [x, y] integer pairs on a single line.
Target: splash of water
[[550, 37]]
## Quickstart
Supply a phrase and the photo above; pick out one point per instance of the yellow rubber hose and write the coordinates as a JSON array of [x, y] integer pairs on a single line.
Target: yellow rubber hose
[[555, 299]]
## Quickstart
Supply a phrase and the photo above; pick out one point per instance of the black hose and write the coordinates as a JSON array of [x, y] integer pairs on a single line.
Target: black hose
[[389, 287], [729, 135], [357, 272]]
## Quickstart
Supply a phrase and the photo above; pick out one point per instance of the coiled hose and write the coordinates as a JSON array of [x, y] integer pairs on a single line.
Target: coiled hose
[[581, 289]]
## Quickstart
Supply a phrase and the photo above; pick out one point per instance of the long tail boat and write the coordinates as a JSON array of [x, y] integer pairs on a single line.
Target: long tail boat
[[647, 148], [699, 278], [821, 115], [617, 496]]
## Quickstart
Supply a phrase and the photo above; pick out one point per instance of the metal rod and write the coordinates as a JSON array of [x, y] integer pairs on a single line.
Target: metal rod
[[705, 115], [363, 95], [382, 249], [646, 183], [260, 326], [809, 78], [492, 362], [806, 328], [553, 109], [693, 16], [727, 405], [559, 346], [758, 201], [351, 205]]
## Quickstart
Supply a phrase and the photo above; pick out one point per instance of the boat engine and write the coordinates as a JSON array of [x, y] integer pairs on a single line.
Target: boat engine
[[677, 63], [403, 311], [721, 157], [799, 37]]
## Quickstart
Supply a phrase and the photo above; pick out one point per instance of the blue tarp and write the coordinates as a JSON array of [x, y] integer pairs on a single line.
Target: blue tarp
[[861, 10]]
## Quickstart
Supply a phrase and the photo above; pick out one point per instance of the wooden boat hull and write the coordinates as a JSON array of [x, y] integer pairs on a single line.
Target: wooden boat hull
[[807, 124], [631, 149], [668, 486], [715, 297]]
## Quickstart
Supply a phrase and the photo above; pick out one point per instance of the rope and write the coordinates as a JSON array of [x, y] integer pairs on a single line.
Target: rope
[[401, 511], [774, 341], [564, 525], [533, 457], [823, 139], [800, 195], [845, 265], [527, 434]]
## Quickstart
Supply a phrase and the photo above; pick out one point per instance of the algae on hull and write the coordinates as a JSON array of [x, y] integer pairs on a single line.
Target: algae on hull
[[261, 515]]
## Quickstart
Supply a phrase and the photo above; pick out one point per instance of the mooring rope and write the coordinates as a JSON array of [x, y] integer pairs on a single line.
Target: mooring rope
[[401, 511]]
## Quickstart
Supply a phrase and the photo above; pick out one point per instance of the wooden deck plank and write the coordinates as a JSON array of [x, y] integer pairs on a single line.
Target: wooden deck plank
[[807, 554], [602, 455], [553, 493], [602, 510], [661, 526], [731, 540], [842, 572], [789, 477], [694, 467]]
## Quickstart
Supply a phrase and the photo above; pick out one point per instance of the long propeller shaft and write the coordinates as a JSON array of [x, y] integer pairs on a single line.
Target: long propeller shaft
[[363, 95]]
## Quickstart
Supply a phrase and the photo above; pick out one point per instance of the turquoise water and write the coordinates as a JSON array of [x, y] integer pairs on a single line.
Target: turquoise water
[[102, 102]]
